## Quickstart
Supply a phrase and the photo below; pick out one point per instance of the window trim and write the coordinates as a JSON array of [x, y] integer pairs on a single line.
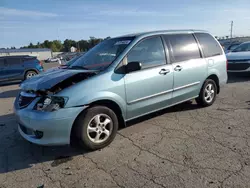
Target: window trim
[[172, 58], [166, 54], [199, 46]]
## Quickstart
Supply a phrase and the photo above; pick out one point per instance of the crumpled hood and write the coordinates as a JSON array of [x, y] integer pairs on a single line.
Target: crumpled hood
[[47, 80], [238, 56]]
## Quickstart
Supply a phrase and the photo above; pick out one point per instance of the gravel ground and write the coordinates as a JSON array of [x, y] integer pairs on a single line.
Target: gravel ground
[[183, 146]]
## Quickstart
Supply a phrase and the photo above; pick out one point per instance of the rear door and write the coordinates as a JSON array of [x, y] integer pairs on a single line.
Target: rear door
[[190, 69], [14, 67]]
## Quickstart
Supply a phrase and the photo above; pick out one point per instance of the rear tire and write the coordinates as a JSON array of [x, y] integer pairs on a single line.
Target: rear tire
[[207, 94], [29, 74], [96, 127]]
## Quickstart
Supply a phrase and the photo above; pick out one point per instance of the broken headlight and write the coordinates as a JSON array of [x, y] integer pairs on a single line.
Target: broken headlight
[[50, 103]]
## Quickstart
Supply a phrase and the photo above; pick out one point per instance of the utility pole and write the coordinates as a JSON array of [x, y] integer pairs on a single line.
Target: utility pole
[[231, 31]]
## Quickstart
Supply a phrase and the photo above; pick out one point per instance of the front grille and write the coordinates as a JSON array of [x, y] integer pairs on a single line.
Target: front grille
[[238, 66], [24, 101]]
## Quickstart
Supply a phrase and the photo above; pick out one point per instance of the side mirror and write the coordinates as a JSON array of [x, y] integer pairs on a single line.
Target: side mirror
[[133, 66]]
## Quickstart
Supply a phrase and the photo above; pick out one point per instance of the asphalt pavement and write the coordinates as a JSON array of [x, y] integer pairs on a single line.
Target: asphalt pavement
[[183, 146]]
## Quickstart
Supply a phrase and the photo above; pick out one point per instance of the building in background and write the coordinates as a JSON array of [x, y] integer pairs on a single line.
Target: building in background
[[73, 49], [40, 53]]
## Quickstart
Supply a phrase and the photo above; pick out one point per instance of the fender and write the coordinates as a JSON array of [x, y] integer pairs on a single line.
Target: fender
[[101, 95]]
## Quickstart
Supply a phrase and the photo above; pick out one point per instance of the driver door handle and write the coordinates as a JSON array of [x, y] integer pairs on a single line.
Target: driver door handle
[[164, 71], [178, 68]]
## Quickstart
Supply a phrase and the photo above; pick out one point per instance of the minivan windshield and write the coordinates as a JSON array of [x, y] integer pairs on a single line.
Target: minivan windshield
[[102, 55]]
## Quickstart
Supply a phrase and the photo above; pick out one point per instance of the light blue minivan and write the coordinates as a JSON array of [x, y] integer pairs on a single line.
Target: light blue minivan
[[118, 80]]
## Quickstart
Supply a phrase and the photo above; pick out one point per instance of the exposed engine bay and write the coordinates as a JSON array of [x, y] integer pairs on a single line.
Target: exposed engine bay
[[47, 101], [50, 84], [66, 83]]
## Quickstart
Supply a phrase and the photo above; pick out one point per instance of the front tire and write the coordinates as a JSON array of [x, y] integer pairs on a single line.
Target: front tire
[[96, 127], [207, 94]]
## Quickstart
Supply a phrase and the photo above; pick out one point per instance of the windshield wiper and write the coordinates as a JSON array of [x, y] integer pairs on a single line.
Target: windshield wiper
[[78, 67]]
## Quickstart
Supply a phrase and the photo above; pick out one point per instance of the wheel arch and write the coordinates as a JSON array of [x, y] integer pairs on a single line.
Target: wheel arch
[[103, 102], [215, 78], [27, 70]]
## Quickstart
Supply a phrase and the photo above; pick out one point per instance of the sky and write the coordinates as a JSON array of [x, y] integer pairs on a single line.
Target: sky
[[25, 21]]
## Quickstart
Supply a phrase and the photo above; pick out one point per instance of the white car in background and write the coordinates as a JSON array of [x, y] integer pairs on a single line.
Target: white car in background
[[239, 58]]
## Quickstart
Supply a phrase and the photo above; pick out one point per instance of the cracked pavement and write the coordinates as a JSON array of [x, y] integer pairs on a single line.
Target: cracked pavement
[[183, 146]]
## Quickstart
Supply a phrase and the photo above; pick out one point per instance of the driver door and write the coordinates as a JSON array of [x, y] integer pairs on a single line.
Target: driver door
[[150, 88]]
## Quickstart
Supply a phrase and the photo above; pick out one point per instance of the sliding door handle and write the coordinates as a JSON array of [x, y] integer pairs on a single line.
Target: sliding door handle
[[178, 68]]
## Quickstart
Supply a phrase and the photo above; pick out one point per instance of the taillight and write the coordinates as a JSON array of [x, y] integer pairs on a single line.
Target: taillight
[[40, 63], [227, 64]]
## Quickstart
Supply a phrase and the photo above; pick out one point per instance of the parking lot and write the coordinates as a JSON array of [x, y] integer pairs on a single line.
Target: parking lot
[[183, 146]]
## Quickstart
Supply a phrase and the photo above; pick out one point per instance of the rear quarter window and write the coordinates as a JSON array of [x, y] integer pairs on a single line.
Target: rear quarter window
[[30, 59], [209, 45], [1, 62], [13, 61]]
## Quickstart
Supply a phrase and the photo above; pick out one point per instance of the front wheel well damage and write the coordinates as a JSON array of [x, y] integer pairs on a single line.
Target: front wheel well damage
[[107, 103], [216, 79]]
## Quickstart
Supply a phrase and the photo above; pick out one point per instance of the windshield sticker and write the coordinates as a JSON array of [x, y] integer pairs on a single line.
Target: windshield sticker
[[122, 42]]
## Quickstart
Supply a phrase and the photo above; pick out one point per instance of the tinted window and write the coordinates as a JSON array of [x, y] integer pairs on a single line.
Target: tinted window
[[1, 62], [149, 52], [29, 59], [184, 47], [242, 48], [13, 61], [208, 44]]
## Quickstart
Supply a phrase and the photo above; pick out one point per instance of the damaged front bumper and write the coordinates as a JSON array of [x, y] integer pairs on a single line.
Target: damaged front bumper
[[46, 128]]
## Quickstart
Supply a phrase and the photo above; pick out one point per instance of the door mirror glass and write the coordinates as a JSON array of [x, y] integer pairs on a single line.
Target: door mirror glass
[[133, 66]]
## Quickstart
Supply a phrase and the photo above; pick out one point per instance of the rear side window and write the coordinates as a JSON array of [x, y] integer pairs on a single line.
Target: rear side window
[[209, 45], [1, 62], [28, 59], [13, 61], [184, 47]]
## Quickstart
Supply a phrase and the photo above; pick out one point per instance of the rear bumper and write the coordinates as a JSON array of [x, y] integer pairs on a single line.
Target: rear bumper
[[54, 126]]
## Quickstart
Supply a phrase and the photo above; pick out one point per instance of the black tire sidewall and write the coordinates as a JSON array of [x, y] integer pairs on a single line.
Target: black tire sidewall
[[28, 73], [202, 97], [82, 124]]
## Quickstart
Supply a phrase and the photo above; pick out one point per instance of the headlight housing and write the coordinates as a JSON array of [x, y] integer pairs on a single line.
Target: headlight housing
[[51, 103]]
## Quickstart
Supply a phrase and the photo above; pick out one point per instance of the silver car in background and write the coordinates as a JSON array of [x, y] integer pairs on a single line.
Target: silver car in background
[[239, 58]]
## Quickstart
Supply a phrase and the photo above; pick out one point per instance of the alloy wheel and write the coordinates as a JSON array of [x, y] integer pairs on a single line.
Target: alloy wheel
[[209, 93], [99, 128]]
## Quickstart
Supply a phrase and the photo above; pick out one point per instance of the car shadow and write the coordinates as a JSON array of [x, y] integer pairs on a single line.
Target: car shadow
[[238, 77], [9, 94], [17, 153], [186, 106], [248, 102]]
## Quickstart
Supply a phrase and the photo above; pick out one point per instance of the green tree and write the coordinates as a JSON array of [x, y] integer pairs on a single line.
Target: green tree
[[46, 44], [58, 45], [31, 45], [68, 44], [53, 47]]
